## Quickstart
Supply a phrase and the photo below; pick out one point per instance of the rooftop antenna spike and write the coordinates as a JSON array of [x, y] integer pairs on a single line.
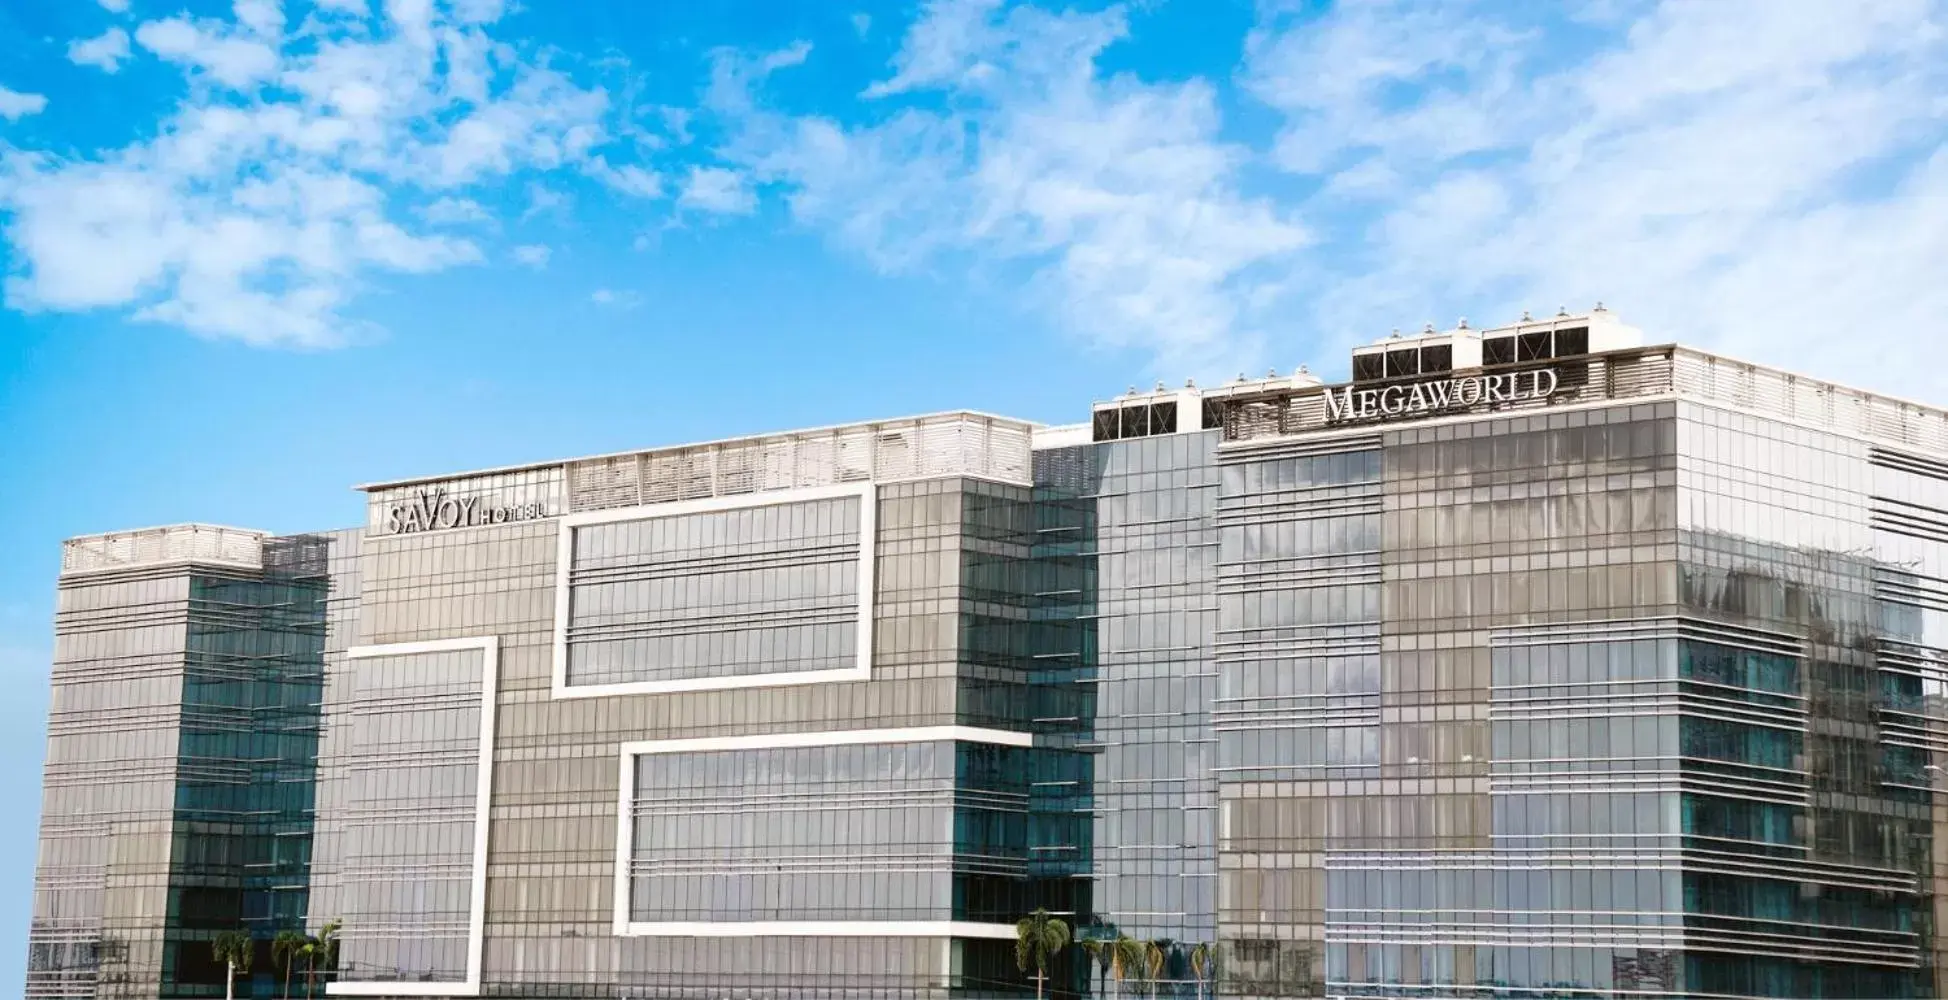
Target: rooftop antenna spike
[[1464, 323], [1190, 383], [1525, 315], [1271, 373], [1599, 305], [1159, 385], [1562, 310]]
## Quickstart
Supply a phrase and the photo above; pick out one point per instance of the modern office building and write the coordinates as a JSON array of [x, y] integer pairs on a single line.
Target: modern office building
[[1532, 662]]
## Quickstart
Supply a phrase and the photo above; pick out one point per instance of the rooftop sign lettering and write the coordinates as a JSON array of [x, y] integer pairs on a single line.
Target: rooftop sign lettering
[[1424, 398], [431, 510]]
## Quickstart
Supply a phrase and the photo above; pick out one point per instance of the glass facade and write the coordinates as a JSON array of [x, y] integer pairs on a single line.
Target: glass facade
[[182, 754], [1629, 689], [759, 590], [397, 820]]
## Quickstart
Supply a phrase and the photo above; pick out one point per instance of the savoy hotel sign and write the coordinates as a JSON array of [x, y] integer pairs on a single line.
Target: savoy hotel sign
[[434, 509]]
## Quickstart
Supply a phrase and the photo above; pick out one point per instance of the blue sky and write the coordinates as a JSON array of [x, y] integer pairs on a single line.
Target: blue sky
[[255, 253]]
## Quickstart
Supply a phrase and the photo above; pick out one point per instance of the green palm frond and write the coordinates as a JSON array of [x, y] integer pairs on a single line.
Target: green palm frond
[[234, 948], [286, 947], [1039, 937]]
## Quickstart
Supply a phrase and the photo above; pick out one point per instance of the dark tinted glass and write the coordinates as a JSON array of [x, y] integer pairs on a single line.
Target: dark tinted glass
[[1405, 362], [1136, 421], [1105, 426], [1367, 367], [1163, 418], [1573, 341], [1213, 414], [1532, 347], [1438, 358], [1498, 351]]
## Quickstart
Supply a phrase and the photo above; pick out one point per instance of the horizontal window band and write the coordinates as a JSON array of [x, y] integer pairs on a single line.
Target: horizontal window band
[[1782, 719], [1627, 629], [841, 609], [728, 548], [1289, 511], [1423, 917], [1247, 452], [822, 928], [826, 738], [1689, 939], [1769, 869], [1907, 462], [719, 682]]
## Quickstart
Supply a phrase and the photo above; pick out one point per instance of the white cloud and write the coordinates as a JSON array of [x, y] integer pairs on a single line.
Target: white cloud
[[283, 184], [543, 200], [15, 105], [717, 190], [628, 179], [532, 255], [1119, 194], [614, 299], [455, 212], [224, 54], [104, 51], [1755, 177], [862, 23], [950, 43], [115, 6]]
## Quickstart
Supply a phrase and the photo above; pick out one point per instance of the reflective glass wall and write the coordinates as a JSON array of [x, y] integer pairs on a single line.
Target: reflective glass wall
[[782, 838], [1632, 699], [181, 761]]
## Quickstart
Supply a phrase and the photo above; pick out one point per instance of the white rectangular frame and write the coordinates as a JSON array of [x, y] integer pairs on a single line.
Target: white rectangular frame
[[868, 494], [626, 833], [489, 647]]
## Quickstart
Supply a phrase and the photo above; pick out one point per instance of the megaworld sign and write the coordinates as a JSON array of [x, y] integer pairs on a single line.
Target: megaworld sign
[[1421, 398], [431, 510]]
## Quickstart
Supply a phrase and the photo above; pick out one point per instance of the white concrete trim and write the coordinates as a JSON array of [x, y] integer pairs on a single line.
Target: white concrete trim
[[376, 989], [626, 832], [489, 647], [868, 494], [824, 928]]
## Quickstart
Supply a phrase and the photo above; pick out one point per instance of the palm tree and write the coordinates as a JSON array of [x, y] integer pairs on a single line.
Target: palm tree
[[1126, 960], [236, 950], [1155, 955], [286, 949], [1200, 961], [1038, 938], [1100, 950], [325, 947]]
